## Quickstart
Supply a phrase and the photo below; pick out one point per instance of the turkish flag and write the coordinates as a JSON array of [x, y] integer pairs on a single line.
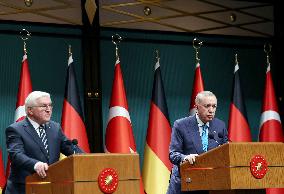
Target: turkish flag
[[24, 89], [119, 136], [198, 86], [2, 173], [270, 123]]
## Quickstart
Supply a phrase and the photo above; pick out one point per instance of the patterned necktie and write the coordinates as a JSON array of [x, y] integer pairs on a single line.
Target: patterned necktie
[[204, 138], [42, 136]]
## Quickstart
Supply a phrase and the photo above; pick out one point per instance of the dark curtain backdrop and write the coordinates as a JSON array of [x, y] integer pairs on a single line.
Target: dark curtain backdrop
[[48, 52], [137, 56]]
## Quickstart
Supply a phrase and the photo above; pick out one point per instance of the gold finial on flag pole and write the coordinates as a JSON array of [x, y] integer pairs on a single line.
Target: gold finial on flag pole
[[25, 35], [196, 45], [116, 39], [267, 49], [70, 50]]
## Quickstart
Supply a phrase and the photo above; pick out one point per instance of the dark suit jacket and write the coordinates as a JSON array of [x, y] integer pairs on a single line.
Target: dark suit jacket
[[26, 149], [185, 140]]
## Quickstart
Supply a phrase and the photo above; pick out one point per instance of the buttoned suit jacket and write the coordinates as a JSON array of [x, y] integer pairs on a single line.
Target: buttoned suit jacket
[[185, 140], [25, 149]]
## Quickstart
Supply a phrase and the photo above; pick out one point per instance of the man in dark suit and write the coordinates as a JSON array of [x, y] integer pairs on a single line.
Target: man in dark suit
[[35, 142], [190, 137]]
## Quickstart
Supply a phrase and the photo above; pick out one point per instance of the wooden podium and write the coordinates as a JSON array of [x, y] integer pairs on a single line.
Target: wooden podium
[[227, 167], [78, 174]]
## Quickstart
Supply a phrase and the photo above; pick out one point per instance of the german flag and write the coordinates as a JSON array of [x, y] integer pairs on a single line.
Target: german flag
[[238, 129], [157, 166], [72, 116]]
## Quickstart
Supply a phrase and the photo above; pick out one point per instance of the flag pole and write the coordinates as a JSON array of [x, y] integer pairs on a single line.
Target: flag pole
[[267, 49], [25, 35], [156, 164], [198, 85], [69, 50], [196, 43], [119, 136], [238, 126], [270, 129], [24, 88], [158, 59], [116, 39], [157, 55], [236, 59]]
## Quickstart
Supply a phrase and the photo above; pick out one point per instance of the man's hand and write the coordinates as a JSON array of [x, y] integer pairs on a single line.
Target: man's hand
[[190, 158], [40, 169]]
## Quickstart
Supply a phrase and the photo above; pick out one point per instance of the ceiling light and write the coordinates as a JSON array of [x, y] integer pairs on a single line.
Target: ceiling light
[[28, 3], [233, 17], [147, 10]]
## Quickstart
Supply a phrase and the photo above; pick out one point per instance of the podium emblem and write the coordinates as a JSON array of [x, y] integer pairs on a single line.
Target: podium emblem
[[108, 180], [258, 166]]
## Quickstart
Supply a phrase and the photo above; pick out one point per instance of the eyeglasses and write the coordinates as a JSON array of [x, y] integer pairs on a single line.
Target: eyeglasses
[[44, 106]]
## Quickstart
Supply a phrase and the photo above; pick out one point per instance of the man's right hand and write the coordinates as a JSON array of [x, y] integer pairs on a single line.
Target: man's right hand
[[41, 169], [190, 158]]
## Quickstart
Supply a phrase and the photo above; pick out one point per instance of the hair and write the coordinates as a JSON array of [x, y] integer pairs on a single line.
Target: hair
[[203, 94], [32, 97]]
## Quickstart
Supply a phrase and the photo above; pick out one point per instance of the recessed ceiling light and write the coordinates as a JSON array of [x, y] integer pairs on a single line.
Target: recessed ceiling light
[[147, 10], [28, 3], [233, 17]]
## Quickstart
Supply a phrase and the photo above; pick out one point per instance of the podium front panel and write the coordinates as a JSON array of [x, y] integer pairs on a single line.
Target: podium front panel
[[228, 167], [79, 174]]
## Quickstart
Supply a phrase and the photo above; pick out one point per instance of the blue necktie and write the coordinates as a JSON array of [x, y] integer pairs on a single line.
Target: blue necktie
[[43, 137], [204, 138]]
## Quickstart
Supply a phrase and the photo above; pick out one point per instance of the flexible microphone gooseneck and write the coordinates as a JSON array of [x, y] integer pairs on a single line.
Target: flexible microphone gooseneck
[[74, 145], [75, 142], [211, 136]]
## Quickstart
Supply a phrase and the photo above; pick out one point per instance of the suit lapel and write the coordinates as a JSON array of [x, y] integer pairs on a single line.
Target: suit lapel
[[194, 133], [32, 132], [211, 130]]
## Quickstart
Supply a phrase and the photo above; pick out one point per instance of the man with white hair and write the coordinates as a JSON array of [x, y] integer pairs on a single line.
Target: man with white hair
[[195, 135], [35, 142]]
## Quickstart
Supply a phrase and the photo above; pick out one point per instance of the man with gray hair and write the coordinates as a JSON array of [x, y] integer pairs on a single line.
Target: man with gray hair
[[189, 137], [35, 142]]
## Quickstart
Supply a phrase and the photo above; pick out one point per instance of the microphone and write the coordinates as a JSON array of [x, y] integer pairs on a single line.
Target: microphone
[[221, 136], [211, 136], [68, 142], [74, 143]]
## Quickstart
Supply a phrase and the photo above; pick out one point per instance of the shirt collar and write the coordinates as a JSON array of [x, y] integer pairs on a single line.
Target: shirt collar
[[199, 122], [34, 124]]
